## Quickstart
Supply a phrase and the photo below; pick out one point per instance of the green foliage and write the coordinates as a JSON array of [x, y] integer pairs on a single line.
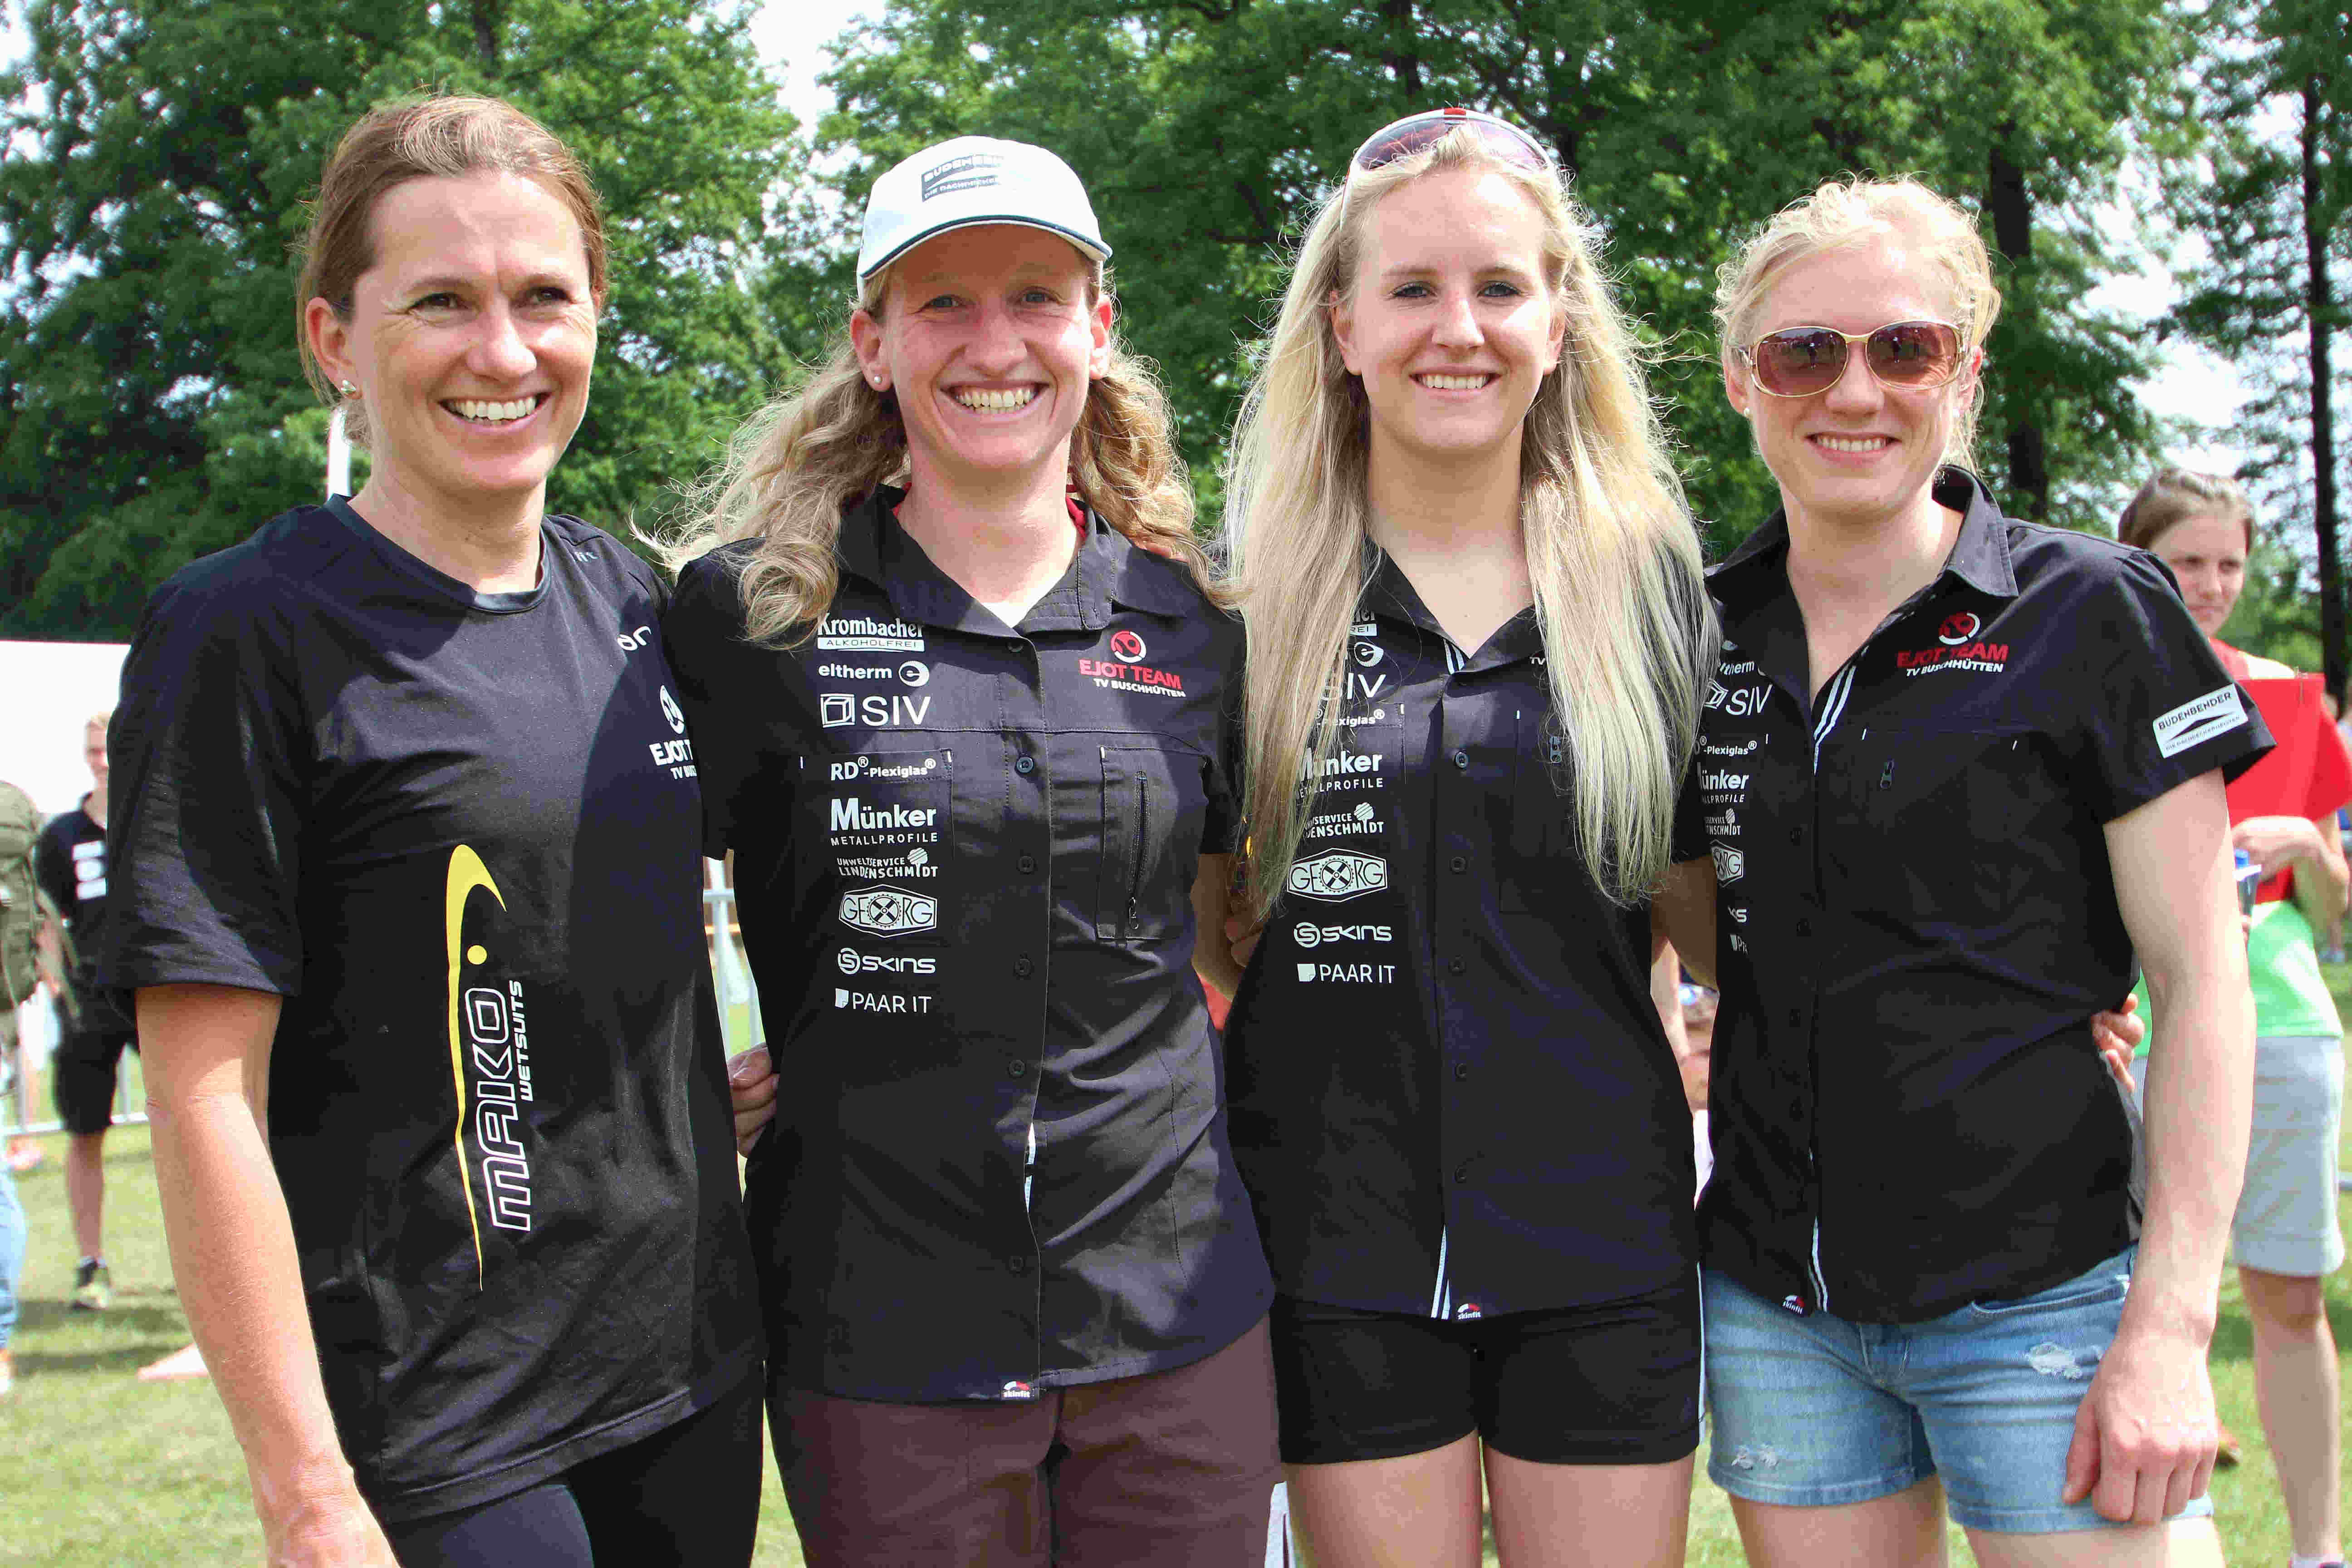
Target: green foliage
[[1204, 130], [152, 408]]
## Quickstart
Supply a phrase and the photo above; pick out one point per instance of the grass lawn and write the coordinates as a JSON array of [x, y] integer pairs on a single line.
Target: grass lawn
[[100, 1470]]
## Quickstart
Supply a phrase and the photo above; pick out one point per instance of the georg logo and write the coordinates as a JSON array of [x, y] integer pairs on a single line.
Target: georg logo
[[1729, 864], [888, 911], [1958, 629], [1125, 647], [1338, 875]]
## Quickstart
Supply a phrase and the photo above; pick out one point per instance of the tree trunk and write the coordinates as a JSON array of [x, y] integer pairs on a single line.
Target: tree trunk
[[486, 32], [1403, 64], [2318, 311], [2011, 209]]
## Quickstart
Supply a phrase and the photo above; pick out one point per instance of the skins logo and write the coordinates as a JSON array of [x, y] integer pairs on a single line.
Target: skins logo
[[1338, 875], [1958, 629], [888, 911], [1306, 934], [487, 1025], [1125, 647]]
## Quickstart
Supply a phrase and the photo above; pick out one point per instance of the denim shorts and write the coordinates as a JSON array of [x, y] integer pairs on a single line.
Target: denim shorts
[[1814, 1411]]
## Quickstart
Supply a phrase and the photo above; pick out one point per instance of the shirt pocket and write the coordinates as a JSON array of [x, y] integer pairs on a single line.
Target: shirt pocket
[[1535, 859], [1960, 823], [1154, 807], [883, 844]]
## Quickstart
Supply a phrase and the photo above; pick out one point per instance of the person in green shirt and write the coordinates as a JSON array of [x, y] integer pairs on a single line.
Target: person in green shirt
[[2285, 1236]]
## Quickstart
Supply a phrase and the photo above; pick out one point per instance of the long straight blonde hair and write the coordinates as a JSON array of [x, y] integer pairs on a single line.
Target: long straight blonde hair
[[1620, 596], [796, 465]]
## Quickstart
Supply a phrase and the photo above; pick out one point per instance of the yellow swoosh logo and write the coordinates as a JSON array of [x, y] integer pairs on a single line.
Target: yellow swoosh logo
[[466, 873]]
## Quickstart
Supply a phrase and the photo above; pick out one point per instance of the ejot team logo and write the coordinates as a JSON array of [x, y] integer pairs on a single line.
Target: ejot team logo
[[1959, 629], [671, 712], [1125, 647]]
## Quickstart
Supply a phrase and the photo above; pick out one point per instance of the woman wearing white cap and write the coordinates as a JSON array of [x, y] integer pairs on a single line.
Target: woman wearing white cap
[[960, 697]]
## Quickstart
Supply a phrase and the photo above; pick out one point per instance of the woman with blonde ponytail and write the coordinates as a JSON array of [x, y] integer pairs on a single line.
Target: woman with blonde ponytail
[[959, 693], [1477, 638]]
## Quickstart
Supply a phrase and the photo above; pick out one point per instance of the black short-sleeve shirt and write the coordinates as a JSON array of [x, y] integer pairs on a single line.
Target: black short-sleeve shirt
[[1917, 913], [70, 861], [457, 832], [964, 854], [1451, 1091]]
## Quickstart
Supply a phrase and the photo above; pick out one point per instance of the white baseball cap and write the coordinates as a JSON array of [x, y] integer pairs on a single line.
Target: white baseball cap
[[974, 180]]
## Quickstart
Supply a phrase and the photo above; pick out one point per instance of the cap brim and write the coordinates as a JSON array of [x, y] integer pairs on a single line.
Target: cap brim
[[1096, 248]]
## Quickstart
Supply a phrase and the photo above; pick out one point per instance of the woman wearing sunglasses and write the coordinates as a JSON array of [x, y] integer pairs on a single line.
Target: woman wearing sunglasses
[[1477, 635], [959, 704], [1955, 773]]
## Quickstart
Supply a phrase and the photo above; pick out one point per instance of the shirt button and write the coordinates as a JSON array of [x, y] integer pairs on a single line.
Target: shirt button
[[1461, 759], [1026, 766], [1016, 1067], [1804, 928], [1018, 1264], [1022, 966], [1459, 863], [1028, 863], [1462, 1177], [1795, 1017], [1455, 966], [1461, 1071], [1796, 836]]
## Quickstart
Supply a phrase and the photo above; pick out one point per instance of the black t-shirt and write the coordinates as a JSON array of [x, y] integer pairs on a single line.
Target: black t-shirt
[[457, 832], [1916, 914], [1451, 1091], [70, 859], [964, 854]]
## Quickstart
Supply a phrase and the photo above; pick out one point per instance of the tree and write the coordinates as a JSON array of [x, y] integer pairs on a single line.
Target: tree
[[158, 155], [2274, 290], [1204, 128]]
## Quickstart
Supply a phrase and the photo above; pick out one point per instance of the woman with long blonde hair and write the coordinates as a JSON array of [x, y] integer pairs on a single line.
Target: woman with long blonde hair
[[1477, 636], [959, 695]]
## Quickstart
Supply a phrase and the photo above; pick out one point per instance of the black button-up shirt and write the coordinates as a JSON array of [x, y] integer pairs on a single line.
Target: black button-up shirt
[[965, 856], [1916, 914], [1451, 1093]]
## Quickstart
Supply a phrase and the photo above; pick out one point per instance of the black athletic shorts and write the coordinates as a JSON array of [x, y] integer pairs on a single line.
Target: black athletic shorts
[[1614, 1383], [82, 1077]]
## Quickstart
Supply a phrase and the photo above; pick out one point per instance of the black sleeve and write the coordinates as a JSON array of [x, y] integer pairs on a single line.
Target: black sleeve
[[2160, 710], [702, 631], [1690, 841], [208, 750], [53, 867], [1222, 831]]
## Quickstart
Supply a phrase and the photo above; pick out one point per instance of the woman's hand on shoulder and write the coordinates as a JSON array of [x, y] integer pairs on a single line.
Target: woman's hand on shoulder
[[752, 1086]]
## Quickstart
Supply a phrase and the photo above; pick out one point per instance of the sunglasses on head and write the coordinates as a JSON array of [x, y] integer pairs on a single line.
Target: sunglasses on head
[[1798, 361], [1403, 137]]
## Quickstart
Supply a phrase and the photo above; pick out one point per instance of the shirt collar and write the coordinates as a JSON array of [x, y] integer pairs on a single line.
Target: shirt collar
[[1107, 571], [1388, 591], [1980, 554]]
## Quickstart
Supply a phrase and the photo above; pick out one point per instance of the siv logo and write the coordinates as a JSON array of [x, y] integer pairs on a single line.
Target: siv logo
[[888, 911], [1958, 629], [836, 709], [1306, 934], [850, 961], [1338, 875], [1368, 654], [1729, 864], [1738, 703], [671, 712], [1125, 647]]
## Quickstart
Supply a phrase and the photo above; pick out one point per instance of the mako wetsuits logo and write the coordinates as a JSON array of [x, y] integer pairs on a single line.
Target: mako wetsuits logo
[[490, 1063]]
